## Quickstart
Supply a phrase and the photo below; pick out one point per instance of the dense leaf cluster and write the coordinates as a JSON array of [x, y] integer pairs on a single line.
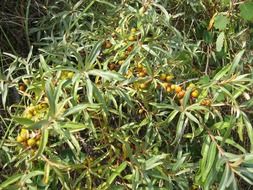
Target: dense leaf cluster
[[131, 95]]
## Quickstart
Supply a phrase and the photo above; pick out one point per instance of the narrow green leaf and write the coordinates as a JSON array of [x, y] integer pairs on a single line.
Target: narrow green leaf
[[12, 179], [23, 121], [99, 97], [192, 117], [180, 128], [51, 98], [221, 125], [154, 161], [221, 73], [80, 107], [236, 61], [249, 130], [89, 89], [43, 64], [38, 125], [43, 142], [108, 75], [210, 160], [31, 174], [91, 58], [117, 172], [73, 127], [224, 179]]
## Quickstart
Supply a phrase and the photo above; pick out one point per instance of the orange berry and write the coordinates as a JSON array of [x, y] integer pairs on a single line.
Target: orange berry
[[144, 70], [178, 89], [195, 94], [206, 102], [181, 94], [22, 87], [141, 74], [130, 48]]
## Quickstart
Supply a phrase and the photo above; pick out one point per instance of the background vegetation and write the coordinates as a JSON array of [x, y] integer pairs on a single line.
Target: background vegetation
[[126, 94]]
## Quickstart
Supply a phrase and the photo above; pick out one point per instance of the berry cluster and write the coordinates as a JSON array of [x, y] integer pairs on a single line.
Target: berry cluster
[[28, 139], [36, 112], [66, 75]]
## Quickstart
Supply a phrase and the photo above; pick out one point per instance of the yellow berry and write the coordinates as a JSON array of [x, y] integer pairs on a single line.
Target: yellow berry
[[38, 142], [139, 66], [191, 85], [140, 111], [20, 139], [133, 30], [169, 78], [70, 74], [143, 85], [100, 171], [173, 86], [42, 106], [129, 74], [165, 85], [168, 89], [24, 134], [121, 62], [163, 76], [195, 94], [34, 112], [29, 115], [39, 107], [31, 142], [131, 38]]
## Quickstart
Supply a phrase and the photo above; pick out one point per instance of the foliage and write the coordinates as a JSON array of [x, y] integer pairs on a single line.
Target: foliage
[[131, 95]]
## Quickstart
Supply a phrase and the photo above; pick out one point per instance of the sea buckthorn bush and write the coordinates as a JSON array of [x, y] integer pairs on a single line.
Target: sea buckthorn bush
[[131, 95]]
